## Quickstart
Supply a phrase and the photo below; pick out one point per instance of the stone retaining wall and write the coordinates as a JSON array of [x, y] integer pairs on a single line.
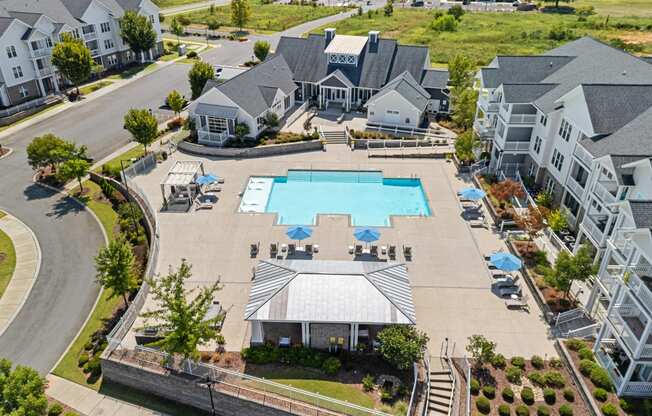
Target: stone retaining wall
[[250, 152]]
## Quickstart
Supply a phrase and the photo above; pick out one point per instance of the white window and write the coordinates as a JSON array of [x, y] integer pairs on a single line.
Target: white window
[[550, 186], [48, 42], [565, 130], [108, 44], [530, 171], [18, 71], [105, 27], [11, 51], [557, 160], [111, 60], [544, 119], [216, 125], [537, 144], [24, 92], [392, 112], [151, 18]]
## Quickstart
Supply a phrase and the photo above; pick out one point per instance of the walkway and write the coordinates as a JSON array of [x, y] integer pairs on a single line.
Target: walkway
[[28, 261]]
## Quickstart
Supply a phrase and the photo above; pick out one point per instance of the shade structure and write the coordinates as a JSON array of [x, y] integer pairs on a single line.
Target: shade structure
[[506, 261], [473, 194], [207, 179], [366, 234], [299, 232]]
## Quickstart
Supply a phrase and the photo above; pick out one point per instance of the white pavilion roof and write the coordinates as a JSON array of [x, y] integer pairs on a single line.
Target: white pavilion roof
[[346, 45]]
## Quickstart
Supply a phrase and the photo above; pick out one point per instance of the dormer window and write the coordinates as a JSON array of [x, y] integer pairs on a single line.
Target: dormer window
[[338, 58]]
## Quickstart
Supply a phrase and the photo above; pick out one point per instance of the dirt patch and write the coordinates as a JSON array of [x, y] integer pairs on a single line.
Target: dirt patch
[[636, 37]]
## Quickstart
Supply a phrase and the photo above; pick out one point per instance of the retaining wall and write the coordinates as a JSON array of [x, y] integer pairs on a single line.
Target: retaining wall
[[250, 152]]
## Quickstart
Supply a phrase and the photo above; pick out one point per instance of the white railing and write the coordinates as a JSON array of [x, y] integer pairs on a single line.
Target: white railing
[[607, 363], [523, 119], [467, 371], [25, 106], [575, 187], [621, 327], [516, 146], [89, 36], [451, 398], [413, 395], [555, 240], [583, 156], [640, 289], [593, 230], [212, 139], [568, 316], [487, 105], [426, 365], [46, 70], [603, 193], [297, 113], [38, 53], [483, 129], [589, 331], [609, 278], [410, 131], [638, 388]]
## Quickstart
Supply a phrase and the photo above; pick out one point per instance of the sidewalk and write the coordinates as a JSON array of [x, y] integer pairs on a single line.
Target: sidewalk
[[89, 402], [28, 262]]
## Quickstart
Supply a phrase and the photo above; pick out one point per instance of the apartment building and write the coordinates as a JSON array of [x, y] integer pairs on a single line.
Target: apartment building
[[29, 29]]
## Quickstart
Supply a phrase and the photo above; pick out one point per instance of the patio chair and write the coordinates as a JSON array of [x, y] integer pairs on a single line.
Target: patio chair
[[479, 223], [358, 250], [273, 249], [308, 248], [203, 205], [292, 249], [374, 251], [407, 252], [315, 248], [392, 252], [351, 249], [254, 249]]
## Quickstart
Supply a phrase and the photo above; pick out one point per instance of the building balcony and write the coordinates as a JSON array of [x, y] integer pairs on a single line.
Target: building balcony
[[516, 147], [601, 190], [594, 225], [638, 280], [484, 131], [583, 156], [609, 357], [89, 36], [487, 105], [575, 187], [41, 52], [523, 119], [608, 364], [212, 139], [626, 322], [621, 245], [609, 279], [46, 71]]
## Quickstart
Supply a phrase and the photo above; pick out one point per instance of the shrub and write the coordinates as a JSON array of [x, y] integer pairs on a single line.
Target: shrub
[[386, 395], [55, 410], [585, 354], [446, 23], [503, 410], [508, 395], [600, 394], [499, 361], [569, 395], [83, 359], [368, 382], [543, 411], [586, 366], [537, 379], [537, 362], [609, 409], [483, 405], [489, 392], [575, 344], [600, 378], [89, 344], [527, 395], [513, 374], [522, 410], [626, 405], [518, 362], [549, 395], [331, 366], [94, 366], [191, 55], [475, 386], [554, 379], [565, 410], [555, 363]]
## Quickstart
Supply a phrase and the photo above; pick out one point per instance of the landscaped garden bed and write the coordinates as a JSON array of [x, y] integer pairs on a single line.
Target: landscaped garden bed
[[499, 195]]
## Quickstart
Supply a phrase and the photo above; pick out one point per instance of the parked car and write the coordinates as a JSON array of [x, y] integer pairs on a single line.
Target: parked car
[[417, 4]]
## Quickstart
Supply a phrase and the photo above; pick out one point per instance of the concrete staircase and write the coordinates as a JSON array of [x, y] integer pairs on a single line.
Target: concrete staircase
[[333, 136], [441, 387]]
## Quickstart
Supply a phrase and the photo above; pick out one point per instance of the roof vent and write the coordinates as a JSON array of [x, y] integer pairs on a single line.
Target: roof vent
[[551, 64], [373, 36], [329, 34], [624, 73]]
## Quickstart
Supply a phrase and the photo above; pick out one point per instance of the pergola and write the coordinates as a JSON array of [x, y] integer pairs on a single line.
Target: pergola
[[180, 182]]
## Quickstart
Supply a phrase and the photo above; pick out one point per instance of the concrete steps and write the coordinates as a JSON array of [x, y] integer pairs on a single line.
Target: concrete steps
[[441, 387], [334, 137]]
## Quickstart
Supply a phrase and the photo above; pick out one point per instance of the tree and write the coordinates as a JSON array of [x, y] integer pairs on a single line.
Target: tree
[[176, 28], [557, 220], [557, 2], [507, 189], [463, 102], [22, 391], [545, 199], [261, 49], [198, 75], [532, 222], [461, 71], [176, 102], [456, 11], [402, 345], [142, 125], [73, 59], [212, 23], [271, 119], [389, 8], [240, 12], [116, 268], [241, 130], [182, 313], [74, 168], [569, 268], [465, 144], [446, 23], [138, 32], [50, 150], [481, 349]]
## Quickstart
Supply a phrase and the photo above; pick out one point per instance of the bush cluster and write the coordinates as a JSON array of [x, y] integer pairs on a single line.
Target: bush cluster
[[600, 394], [565, 410], [55, 410], [522, 410], [543, 411], [513, 374], [499, 361], [475, 386], [585, 354], [508, 395], [483, 405], [537, 362], [554, 379], [503, 410], [569, 395], [575, 344], [297, 355], [368, 383], [600, 378], [536, 379], [586, 366], [489, 392], [518, 362], [331, 366], [549, 396], [609, 409], [527, 395]]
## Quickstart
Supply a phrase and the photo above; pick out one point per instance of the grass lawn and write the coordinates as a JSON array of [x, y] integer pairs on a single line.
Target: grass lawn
[[7, 259], [169, 57], [166, 4], [618, 7], [131, 72], [45, 110], [133, 153], [482, 36], [94, 87], [265, 17]]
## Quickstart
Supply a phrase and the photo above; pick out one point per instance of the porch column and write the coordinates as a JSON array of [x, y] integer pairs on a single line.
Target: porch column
[[347, 97], [305, 334], [626, 377], [353, 343], [595, 295], [643, 340]]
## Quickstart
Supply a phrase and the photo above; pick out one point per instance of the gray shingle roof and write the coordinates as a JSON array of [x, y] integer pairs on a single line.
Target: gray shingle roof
[[77, 8], [642, 212], [633, 139], [624, 176], [524, 93], [613, 106], [54, 9], [5, 22], [245, 88], [435, 78], [338, 79], [409, 89], [27, 18], [522, 69]]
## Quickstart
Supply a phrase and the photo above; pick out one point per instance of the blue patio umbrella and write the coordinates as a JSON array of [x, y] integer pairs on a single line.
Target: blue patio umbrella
[[473, 194], [299, 232], [366, 234], [505, 261], [207, 179]]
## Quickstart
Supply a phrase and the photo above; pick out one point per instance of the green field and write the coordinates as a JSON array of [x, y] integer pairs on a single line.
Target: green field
[[482, 36], [641, 8], [264, 17], [166, 4], [7, 260]]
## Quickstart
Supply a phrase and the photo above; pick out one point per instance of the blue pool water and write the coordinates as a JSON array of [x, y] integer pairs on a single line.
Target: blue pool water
[[369, 198]]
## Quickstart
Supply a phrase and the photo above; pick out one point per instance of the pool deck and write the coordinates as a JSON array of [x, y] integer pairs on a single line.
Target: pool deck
[[451, 286]]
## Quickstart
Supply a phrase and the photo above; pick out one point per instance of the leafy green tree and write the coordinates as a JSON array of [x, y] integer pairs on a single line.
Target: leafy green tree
[[465, 144], [181, 315], [261, 49], [198, 75], [456, 11], [73, 59], [116, 268], [241, 131], [569, 268], [481, 349], [176, 28], [176, 102], [50, 150], [557, 2], [545, 199], [388, 10], [240, 13], [142, 125], [22, 391], [402, 345], [461, 71], [446, 23], [271, 119], [74, 168], [138, 32], [213, 24], [463, 101], [557, 220]]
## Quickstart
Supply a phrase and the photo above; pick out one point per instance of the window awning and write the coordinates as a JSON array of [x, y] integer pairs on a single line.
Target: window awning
[[216, 111]]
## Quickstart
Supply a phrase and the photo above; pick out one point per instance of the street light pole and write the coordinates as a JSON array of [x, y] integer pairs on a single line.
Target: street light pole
[[131, 207], [210, 383]]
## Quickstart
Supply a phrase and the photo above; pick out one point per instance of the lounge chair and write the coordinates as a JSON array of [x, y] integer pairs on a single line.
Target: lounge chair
[[479, 223], [273, 249], [374, 251], [315, 248], [407, 252], [284, 248], [520, 303], [254, 249], [391, 252], [308, 248], [212, 188], [358, 250], [203, 205], [292, 249]]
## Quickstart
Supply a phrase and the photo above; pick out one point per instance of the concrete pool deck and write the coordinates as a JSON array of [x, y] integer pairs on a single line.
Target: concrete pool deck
[[451, 286]]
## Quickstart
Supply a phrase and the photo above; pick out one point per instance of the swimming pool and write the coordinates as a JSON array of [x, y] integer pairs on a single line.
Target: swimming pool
[[367, 196]]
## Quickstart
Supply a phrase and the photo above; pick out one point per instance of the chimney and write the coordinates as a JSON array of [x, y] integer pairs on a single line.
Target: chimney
[[373, 36], [329, 34]]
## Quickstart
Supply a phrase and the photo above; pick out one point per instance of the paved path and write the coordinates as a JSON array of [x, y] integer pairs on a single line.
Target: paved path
[[28, 261]]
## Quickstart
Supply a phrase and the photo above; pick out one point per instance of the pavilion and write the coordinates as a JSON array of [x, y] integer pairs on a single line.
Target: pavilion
[[179, 186]]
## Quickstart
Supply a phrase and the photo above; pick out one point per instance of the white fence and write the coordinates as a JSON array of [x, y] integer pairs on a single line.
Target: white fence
[[297, 113], [408, 131], [25, 106]]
